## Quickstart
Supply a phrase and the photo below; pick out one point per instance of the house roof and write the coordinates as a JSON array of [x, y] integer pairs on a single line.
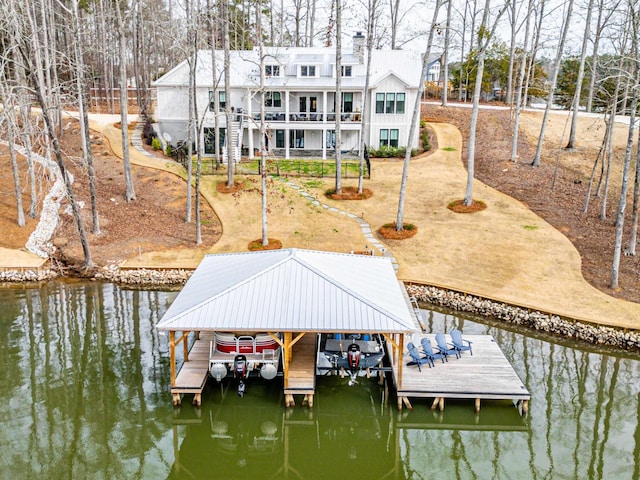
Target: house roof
[[244, 68], [292, 290]]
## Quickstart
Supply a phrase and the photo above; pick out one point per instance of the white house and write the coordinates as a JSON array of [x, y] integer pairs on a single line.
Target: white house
[[299, 100]]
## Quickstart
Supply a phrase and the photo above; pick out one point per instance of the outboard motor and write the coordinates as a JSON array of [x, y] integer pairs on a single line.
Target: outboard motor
[[240, 372], [353, 356]]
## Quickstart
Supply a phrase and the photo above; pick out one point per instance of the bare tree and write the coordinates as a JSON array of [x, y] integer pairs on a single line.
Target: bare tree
[[227, 92], [578, 91], [338, 96], [554, 77], [484, 38], [523, 63], [445, 55], [130, 194], [263, 133], [415, 118]]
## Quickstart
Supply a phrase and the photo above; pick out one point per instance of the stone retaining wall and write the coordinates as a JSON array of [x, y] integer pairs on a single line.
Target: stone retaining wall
[[595, 334], [27, 276], [143, 277]]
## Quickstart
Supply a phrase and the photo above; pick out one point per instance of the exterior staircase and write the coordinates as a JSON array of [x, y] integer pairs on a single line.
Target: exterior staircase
[[234, 143]]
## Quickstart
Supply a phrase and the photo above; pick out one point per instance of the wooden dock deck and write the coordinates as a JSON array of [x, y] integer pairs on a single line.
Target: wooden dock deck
[[487, 374], [193, 375], [301, 377]]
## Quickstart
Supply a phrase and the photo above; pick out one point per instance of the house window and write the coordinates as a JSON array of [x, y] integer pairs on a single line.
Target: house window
[[296, 139], [272, 99], [279, 138], [399, 102], [346, 70], [347, 102], [272, 70], [307, 70], [222, 100], [389, 137], [391, 103], [210, 139], [379, 102], [331, 139]]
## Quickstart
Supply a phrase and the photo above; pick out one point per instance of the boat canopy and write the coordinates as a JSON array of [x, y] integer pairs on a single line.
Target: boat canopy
[[292, 290]]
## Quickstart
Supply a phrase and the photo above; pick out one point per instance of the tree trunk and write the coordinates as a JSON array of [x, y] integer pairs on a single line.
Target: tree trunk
[[483, 44], [576, 96], [445, 56], [523, 63], [227, 91], [338, 96], [617, 252], [366, 101], [415, 118], [130, 194], [554, 78], [83, 117]]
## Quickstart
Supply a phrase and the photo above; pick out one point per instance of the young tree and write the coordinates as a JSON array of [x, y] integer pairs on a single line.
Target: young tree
[[372, 15], [130, 194], [263, 132], [556, 67], [484, 38], [338, 96], [227, 92], [523, 62], [576, 96], [415, 118]]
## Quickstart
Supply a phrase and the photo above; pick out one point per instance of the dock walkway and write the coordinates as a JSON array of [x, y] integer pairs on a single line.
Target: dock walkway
[[301, 377], [193, 374], [487, 374]]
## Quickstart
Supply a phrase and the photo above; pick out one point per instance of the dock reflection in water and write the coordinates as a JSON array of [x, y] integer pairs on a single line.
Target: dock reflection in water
[[349, 429]]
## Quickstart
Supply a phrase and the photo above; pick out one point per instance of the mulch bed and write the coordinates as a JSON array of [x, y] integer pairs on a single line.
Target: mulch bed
[[222, 187], [349, 193], [274, 244], [388, 231], [458, 206]]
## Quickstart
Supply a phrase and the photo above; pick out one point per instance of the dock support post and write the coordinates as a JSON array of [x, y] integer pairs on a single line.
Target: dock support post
[[477, 405], [176, 399], [289, 401], [308, 400], [438, 401], [525, 407], [197, 399]]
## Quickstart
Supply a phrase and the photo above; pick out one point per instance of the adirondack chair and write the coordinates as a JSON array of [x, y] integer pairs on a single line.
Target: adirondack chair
[[416, 358], [428, 351], [444, 347], [459, 342]]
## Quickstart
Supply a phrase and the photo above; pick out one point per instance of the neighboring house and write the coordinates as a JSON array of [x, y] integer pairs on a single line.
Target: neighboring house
[[299, 100], [433, 69]]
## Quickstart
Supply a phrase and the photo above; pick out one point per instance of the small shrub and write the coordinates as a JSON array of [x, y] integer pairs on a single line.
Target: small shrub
[[168, 150], [423, 123], [426, 146], [390, 152], [156, 144]]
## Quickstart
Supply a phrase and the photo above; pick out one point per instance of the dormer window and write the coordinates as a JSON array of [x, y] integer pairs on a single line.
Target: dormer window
[[346, 70], [308, 71], [272, 70]]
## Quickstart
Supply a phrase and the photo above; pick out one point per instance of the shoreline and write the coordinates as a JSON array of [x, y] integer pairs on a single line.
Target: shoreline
[[628, 340]]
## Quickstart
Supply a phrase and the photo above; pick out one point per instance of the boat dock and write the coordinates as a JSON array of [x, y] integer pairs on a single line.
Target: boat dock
[[194, 372], [300, 378], [487, 374]]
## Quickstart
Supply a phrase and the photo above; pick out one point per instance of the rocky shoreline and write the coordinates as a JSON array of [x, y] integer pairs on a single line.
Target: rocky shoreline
[[553, 324], [544, 322]]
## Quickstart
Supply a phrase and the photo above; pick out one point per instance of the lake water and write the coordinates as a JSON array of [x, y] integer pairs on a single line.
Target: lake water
[[84, 379]]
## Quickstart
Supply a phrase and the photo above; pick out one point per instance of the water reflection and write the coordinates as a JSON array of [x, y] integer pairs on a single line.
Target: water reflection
[[84, 376]]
